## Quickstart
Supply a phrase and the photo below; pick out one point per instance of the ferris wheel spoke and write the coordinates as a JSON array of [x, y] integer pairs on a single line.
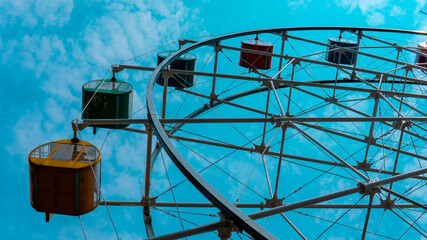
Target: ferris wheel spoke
[[267, 176], [410, 106], [234, 150], [215, 164], [293, 226], [213, 110], [310, 138], [191, 231], [368, 214], [277, 154], [371, 132], [329, 227], [227, 102], [314, 179], [416, 151], [416, 220], [410, 224], [397, 155], [279, 167], [376, 60], [172, 192], [195, 82], [316, 142], [263, 150], [343, 225], [256, 87], [404, 198], [330, 100], [360, 188], [390, 43], [413, 189], [306, 67], [292, 119], [363, 53], [334, 164], [379, 224], [321, 83], [409, 207]]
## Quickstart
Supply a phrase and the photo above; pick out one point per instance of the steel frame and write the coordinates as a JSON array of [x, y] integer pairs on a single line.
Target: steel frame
[[232, 212]]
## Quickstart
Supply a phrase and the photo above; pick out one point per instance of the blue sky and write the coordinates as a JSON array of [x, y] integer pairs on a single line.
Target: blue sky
[[50, 48]]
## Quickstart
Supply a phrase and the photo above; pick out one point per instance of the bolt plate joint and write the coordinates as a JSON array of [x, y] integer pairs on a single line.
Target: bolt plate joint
[[365, 166], [387, 204], [225, 232], [261, 148], [367, 191], [273, 202]]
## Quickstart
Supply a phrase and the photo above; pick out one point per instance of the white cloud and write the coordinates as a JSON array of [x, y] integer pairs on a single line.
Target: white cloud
[[375, 19], [35, 12], [373, 10], [26, 130], [420, 4], [127, 186], [396, 11], [365, 6], [298, 3], [56, 112], [60, 65], [7, 49], [350, 5]]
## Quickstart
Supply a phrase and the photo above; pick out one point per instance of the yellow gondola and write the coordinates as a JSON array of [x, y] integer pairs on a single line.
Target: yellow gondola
[[62, 177]]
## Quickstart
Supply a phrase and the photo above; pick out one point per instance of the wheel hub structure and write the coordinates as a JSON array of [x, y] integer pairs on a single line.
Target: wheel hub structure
[[330, 141]]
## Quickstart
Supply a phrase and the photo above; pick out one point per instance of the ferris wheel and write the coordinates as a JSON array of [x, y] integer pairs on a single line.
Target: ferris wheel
[[288, 133]]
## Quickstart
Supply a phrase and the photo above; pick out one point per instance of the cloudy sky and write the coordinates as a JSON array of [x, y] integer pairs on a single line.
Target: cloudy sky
[[49, 48]]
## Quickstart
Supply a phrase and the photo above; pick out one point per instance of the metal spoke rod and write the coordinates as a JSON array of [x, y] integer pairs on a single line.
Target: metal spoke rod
[[363, 53], [193, 231], [293, 226], [368, 214], [371, 131], [333, 48], [397, 46], [226, 102], [252, 205], [279, 167], [423, 206], [300, 83], [397, 154], [361, 188], [267, 176], [410, 224], [231, 146], [316, 142], [330, 152], [375, 143], [90, 122]]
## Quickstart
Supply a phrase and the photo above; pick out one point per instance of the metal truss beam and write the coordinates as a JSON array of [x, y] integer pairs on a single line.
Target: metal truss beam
[[254, 205], [270, 153], [273, 120], [408, 80], [361, 188]]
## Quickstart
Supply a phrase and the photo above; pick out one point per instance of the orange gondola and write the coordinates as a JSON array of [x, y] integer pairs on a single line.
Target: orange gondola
[[65, 177]]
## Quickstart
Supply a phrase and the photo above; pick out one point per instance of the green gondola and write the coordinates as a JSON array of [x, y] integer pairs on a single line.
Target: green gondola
[[113, 100]]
